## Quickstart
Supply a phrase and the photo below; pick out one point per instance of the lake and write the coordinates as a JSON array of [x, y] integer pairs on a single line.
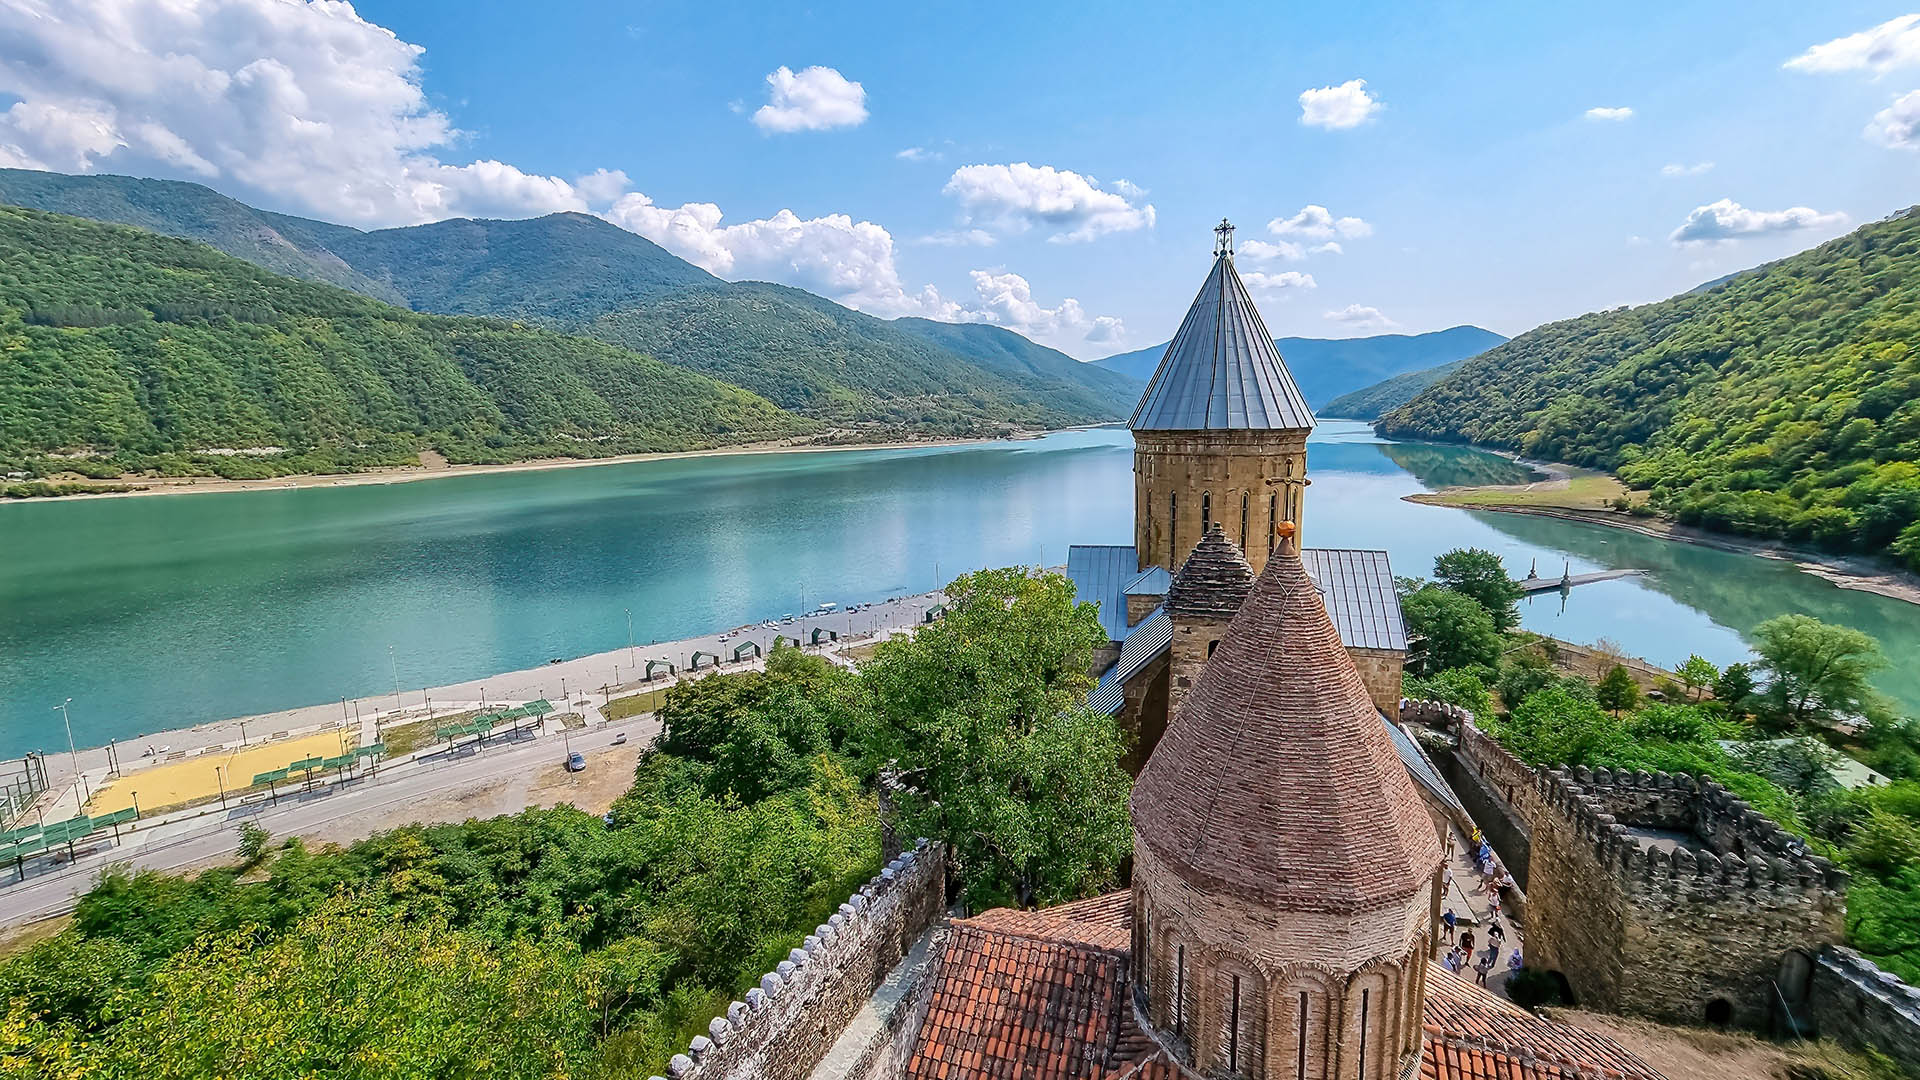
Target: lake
[[158, 613]]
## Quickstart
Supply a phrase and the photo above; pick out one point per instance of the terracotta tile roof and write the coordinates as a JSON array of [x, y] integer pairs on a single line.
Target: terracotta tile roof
[[1104, 922], [1277, 782], [1474, 1035], [1213, 582]]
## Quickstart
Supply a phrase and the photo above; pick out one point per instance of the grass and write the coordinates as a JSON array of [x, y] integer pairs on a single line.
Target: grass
[[1581, 489], [646, 701], [416, 734]]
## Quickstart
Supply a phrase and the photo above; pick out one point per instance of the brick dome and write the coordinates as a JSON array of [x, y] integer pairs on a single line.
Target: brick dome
[[1213, 582], [1276, 782]]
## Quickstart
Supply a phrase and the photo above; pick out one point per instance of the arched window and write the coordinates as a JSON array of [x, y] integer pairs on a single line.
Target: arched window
[[1243, 521], [1273, 520], [1366, 1005], [1173, 530], [1180, 991], [1206, 512], [1233, 1026]]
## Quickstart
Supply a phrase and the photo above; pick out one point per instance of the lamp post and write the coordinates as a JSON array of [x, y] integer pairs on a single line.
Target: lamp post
[[73, 753], [630, 652], [220, 777], [136, 806], [394, 659]]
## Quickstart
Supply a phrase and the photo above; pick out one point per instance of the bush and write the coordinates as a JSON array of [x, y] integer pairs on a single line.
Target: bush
[[1456, 687], [1531, 988], [253, 843]]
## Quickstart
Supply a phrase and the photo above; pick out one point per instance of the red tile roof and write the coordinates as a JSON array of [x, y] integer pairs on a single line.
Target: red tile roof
[[1043, 995], [1277, 782]]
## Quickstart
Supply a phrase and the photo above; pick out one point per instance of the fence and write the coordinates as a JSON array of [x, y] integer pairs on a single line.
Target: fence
[[21, 782]]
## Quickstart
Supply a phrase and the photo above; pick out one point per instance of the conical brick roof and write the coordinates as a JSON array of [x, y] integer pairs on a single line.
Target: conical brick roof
[[1213, 582], [1277, 782]]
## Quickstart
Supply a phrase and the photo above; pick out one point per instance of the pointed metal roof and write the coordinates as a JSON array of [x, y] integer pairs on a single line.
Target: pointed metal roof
[[1221, 371]]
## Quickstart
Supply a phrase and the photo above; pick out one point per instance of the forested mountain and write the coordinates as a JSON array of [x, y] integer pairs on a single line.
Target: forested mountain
[[1326, 368], [1784, 402], [577, 273], [1368, 402], [134, 350]]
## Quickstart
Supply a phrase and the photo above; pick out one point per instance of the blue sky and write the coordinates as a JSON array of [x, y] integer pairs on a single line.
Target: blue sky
[[1064, 168]]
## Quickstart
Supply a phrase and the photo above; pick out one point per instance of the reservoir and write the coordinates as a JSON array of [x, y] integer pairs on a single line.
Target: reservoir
[[158, 613]]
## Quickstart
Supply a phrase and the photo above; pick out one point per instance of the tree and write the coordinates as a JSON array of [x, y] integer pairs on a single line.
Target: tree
[[1697, 673], [1481, 575], [1734, 690], [1556, 727], [1815, 671], [1616, 691], [981, 712], [1457, 630]]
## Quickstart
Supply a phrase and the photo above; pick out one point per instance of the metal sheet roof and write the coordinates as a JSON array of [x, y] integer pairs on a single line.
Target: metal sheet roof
[[1153, 581], [1099, 573], [1222, 371], [1151, 638], [1420, 766], [1357, 587]]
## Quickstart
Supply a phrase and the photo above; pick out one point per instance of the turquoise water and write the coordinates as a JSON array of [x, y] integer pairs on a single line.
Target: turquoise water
[[157, 613]]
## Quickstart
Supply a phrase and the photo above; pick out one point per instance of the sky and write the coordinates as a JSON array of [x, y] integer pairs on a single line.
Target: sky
[[1389, 167]]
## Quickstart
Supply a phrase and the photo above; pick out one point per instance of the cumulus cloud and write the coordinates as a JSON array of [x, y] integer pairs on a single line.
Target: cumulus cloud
[[301, 105], [1006, 299], [1676, 169], [1315, 222], [1338, 107], [813, 99], [1898, 125], [1893, 44], [1609, 112], [1262, 282], [1262, 251], [1360, 316], [1022, 196], [1725, 221]]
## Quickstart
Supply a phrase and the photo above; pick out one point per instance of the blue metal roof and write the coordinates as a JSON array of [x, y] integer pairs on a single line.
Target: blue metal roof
[[1099, 573], [1420, 766], [1149, 639], [1153, 581], [1357, 587], [1222, 371]]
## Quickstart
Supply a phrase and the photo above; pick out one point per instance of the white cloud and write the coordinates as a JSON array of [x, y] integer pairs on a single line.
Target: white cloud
[[1262, 282], [1021, 196], [1006, 299], [1726, 220], [303, 106], [1609, 112], [1698, 168], [1636, 240], [1893, 44], [917, 153], [1262, 251], [1361, 316], [1106, 331], [601, 186], [959, 238], [1317, 223], [814, 99], [1898, 125], [1338, 107]]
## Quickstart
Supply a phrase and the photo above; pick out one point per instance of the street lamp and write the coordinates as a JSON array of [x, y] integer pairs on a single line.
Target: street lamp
[[74, 754], [220, 777], [630, 653], [394, 659]]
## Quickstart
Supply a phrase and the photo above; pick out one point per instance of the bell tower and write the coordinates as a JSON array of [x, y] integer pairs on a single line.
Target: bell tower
[[1220, 436]]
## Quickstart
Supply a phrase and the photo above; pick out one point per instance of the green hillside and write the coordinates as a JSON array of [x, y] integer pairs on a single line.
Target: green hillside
[[1784, 402], [1369, 402], [140, 351], [577, 273]]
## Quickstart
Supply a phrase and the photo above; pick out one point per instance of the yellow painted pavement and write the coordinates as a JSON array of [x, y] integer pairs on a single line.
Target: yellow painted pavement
[[195, 778]]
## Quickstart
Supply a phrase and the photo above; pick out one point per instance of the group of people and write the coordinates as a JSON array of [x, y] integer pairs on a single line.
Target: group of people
[[1494, 882]]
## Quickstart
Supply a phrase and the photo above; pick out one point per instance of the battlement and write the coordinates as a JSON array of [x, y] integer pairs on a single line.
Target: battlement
[[1739, 848], [786, 1025]]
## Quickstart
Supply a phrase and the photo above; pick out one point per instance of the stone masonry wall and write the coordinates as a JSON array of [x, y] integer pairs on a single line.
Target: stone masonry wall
[[1498, 789], [788, 1023], [1860, 1005], [1671, 933], [1265, 470], [1380, 672]]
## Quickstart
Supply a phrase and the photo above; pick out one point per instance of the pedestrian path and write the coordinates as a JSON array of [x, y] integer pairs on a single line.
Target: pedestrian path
[[1474, 902]]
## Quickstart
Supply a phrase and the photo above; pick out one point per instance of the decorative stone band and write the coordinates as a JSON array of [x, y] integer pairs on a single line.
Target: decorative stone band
[[786, 1004], [1574, 794]]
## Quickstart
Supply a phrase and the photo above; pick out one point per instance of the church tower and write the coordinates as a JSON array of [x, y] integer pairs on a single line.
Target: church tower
[[1220, 436], [1286, 874], [1201, 602]]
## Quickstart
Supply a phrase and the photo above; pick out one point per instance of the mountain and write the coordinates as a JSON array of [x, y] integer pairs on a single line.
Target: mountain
[[1326, 368], [1783, 402], [129, 350], [1368, 402], [577, 273]]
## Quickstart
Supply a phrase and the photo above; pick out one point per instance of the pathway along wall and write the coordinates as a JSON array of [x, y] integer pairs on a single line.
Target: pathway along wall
[[1497, 788], [787, 1024]]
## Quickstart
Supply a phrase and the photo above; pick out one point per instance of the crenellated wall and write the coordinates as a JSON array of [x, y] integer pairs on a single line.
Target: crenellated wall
[[787, 1024], [1692, 921], [1860, 1005]]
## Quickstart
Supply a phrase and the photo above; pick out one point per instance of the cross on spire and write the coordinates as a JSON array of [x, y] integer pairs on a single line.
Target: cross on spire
[[1223, 244]]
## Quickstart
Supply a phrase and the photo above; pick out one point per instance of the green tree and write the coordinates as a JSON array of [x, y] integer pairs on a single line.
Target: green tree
[[981, 712], [1457, 630], [1457, 686], [1617, 692], [1556, 727], [1815, 671], [1481, 575], [1697, 673], [1734, 690]]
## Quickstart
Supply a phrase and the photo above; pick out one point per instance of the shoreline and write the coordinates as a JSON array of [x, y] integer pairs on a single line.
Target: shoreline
[[1856, 573], [406, 474]]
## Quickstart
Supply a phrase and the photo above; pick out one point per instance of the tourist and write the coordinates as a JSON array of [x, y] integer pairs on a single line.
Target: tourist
[[1448, 922], [1466, 941], [1513, 963], [1481, 969], [1496, 934]]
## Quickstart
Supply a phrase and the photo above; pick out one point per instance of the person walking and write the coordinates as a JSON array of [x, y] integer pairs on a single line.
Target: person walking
[[1514, 963], [1447, 925], [1466, 941], [1481, 969], [1496, 934]]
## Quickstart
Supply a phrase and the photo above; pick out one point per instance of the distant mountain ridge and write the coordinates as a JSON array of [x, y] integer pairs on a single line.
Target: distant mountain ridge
[[1326, 368], [1369, 402], [577, 273]]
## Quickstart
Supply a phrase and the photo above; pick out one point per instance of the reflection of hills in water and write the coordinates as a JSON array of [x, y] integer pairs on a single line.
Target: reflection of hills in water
[[1733, 589], [1439, 466]]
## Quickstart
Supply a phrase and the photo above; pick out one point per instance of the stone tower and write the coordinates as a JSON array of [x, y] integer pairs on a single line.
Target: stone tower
[[1220, 436], [1203, 599], [1286, 875]]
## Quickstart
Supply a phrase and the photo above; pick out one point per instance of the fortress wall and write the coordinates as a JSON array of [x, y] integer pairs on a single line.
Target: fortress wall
[[1860, 1005], [787, 1024], [1498, 789]]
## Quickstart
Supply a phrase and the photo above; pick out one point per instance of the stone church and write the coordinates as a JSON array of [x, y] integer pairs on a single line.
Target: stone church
[[1220, 461]]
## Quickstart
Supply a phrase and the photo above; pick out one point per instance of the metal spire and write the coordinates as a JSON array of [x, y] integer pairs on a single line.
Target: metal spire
[[1223, 244]]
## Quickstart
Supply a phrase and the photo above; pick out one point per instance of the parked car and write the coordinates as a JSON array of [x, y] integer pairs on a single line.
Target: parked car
[[575, 762], [620, 739]]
